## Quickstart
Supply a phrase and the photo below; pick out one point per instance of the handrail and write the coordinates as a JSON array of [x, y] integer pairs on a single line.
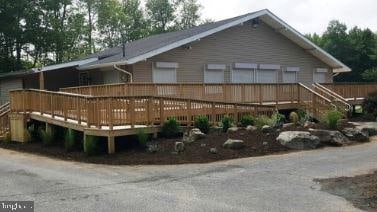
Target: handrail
[[315, 93], [334, 95]]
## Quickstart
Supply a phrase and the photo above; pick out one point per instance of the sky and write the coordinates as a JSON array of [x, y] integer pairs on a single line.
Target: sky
[[306, 16]]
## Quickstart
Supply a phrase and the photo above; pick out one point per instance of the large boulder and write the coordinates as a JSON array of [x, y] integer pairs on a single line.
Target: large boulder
[[334, 138], [288, 125], [370, 127], [356, 134], [298, 140], [309, 124], [234, 144], [193, 135], [232, 129], [251, 128]]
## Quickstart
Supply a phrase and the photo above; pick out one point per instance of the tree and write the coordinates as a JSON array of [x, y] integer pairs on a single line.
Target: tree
[[160, 15], [137, 27], [189, 14], [370, 75]]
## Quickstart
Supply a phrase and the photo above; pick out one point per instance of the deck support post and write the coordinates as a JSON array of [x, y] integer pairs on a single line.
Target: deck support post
[[18, 126], [111, 144], [48, 128]]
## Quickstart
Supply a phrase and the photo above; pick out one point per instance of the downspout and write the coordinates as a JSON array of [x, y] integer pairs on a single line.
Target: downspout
[[124, 71]]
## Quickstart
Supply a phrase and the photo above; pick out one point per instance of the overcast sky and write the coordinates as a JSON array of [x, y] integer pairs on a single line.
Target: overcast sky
[[307, 16]]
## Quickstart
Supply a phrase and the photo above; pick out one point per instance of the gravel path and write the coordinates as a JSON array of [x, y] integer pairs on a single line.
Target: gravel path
[[271, 183]]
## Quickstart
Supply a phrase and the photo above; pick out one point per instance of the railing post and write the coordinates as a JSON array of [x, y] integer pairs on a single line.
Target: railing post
[[110, 113], [188, 112], [235, 113], [260, 94], [213, 112], [277, 94], [243, 93], [162, 118], [65, 110], [78, 110], [298, 93], [132, 110]]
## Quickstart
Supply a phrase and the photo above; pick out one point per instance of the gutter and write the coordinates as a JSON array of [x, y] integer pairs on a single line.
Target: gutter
[[123, 71]]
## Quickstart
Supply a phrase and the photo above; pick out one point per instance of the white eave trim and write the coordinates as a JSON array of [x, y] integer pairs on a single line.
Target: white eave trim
[[69, 64]]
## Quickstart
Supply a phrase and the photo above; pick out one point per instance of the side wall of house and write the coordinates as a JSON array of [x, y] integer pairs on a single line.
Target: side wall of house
[[241, 44]]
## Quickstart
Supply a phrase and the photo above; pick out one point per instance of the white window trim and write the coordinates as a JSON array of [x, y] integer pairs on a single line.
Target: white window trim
[[321, 70], [166, 65], [296, 76], [211, 68], [292, 69], [237, 66], [269, 67], [155, 68], [261, 70]]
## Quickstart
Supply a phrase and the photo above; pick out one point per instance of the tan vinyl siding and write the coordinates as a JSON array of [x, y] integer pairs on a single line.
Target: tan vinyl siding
[[7, 85], [244, 44]]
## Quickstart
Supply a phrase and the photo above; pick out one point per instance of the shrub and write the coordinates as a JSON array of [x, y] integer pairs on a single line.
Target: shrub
[[34, 134], [171, 128], [277, 119], [332, 118], [247, 120], [303, 116], [91, 146], [226, 123], [370, 104], [7, 138], [70, 138], [46, 136], [202, 123], [294, 118], [142, 137], [264, 120]]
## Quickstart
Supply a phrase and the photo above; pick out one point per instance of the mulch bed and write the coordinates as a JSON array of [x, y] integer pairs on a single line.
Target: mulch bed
[[361, 190], [128, 153]]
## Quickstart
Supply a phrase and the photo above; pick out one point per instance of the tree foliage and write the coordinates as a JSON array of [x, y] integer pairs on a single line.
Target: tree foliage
[[34, 33]]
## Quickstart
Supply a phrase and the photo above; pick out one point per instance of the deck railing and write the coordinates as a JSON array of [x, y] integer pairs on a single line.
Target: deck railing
[[352, 90], [111, 111], [240, 93], [314, 102], [4, 118]]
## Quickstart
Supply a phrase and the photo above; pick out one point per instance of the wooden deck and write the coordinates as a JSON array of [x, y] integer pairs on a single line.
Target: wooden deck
[[122, 109]]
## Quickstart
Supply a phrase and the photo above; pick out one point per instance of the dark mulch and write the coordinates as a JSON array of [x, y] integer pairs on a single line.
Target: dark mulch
[[128, 153], [360, 190]]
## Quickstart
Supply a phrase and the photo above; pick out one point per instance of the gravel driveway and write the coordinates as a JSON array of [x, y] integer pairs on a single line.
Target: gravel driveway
[[271, 183]]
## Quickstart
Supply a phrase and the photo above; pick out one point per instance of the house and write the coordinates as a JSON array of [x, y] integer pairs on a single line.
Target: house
[[254, 48]]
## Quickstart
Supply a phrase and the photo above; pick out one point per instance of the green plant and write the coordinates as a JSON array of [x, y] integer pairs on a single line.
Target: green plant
[[171, 128], [226, 123], [263, 120], [47, 136], [202, 123], [303, 116], [91, 145], [247, 120], [370, 104], [34, 134], [332, 118], [70, 143], [294, 118], [142, 137], [7, 138], [277, 119]]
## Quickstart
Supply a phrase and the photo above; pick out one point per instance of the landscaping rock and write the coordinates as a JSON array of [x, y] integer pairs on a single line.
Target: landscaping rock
[[334, 138], [152, 148], [251, 128], [203, 145], [266, 129], [233, 129], [298, 140], [265, 143], [179, 146], [213, 151], [288, 125], [309, 124], [234, 144], [370, 127], [193, 135], [356, 134]]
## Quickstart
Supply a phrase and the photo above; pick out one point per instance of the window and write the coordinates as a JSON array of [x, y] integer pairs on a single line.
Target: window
[[214, 73], [267, 73], [164, 72], [319, 75], [290, 75], [243, 73]]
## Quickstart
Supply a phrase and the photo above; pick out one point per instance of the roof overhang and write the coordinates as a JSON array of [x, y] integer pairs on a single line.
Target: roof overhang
[[68, 64], [266, 16]]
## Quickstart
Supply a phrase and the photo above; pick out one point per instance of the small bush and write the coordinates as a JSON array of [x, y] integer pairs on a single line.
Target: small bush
[[7, 138], [294, 118], [47, 137], [264, 120], [142, 137], [202, 123], [303, 116], [91, 145], [70, 140], [171, 128], [370, 104], [332, 118], [247, 120], [277, 119], [226, 123]]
